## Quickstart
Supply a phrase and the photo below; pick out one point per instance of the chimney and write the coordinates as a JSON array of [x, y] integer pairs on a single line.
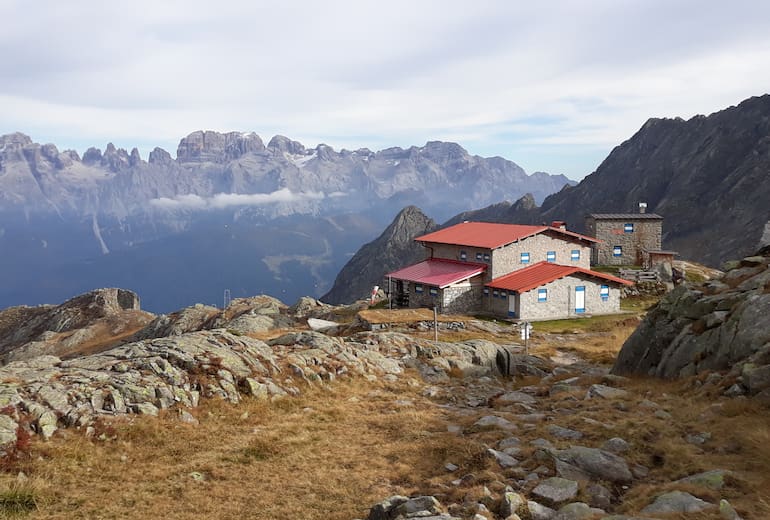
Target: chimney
[[559, 224], [642, 207]]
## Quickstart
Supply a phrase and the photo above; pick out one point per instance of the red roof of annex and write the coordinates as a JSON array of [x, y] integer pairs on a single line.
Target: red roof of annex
[[544, 272], [438, 271], [489, 235]]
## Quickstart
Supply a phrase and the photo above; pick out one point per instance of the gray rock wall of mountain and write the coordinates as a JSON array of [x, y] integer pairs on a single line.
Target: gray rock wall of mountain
[[393, 249], [708, 176]]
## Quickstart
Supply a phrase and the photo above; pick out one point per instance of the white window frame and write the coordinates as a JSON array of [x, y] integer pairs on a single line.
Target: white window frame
[[542, 295], [628, 227], [604, 292], [550, 256], [575, 255], [524, 258], [617, 251]]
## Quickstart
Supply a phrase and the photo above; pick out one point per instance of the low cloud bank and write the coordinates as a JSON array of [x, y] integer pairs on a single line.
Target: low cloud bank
[[224, 200]]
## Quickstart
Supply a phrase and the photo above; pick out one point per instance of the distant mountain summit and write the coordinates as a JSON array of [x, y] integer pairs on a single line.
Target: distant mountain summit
[[393, 249], [443, 176]]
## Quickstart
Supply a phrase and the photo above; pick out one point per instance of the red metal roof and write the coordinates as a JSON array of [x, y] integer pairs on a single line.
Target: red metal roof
[[542, 273], [438, 271], [489, 235]]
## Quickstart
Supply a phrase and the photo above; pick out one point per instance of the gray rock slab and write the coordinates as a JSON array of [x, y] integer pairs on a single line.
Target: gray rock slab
[[493, 421], [677, 502], [599, 464], [556, 490], [605, 392]]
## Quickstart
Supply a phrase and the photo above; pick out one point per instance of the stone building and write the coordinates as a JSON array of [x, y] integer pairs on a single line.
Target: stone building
[[466, 263], [624, 238]]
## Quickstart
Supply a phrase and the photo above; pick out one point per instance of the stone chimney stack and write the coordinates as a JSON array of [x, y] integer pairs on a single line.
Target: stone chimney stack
[[642, 207]]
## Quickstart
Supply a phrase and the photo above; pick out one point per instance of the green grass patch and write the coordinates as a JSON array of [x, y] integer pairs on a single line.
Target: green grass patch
[[571, 325], [17, 500]]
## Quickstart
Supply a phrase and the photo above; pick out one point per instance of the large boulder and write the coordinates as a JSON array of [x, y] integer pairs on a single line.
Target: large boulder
[[713, 326]]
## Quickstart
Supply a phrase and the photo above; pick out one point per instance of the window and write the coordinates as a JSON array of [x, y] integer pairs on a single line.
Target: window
[[524, 258], [550, 256], [542, 295], [617, 251], [604, 292], [486, 291], [478, 257], [418, 288], [463, 255], [495, 294], [628, 227], [503, 295], [433, 291], [486, 257], [575, 255]]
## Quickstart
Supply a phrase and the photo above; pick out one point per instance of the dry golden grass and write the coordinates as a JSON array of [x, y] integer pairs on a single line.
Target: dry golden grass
[[329, 454]]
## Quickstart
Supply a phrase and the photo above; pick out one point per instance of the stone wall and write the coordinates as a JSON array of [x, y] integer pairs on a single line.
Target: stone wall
[[647, 234], [461, 299], [561, 300], [507, 259]]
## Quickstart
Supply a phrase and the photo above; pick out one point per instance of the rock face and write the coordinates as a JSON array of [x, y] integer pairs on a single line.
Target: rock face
[[709, 165], [393, 249], [60, 329], [716, 326]]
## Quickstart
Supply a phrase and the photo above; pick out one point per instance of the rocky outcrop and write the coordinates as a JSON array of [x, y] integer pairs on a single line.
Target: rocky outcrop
[[721, 325], [215, 147], [393, 249], [61, 329]]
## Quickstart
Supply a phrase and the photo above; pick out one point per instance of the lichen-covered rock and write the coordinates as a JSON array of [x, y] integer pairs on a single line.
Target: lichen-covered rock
[[677, 502]]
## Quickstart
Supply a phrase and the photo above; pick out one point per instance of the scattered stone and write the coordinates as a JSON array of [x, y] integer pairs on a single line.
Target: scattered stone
[[599, 464], [493, 421], [599, 496], [735, 390], [698, 438], [516, 397], [677, 502], [503, 459], [577, 511], [727, 511], [538, 511], [564, 433], [605, 392], [451, 467], [714, 479], [514, 504], [556, 490], [616, 445]]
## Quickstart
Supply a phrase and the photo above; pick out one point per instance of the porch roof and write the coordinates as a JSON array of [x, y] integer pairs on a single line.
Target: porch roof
[[438, 271], [541, 273]]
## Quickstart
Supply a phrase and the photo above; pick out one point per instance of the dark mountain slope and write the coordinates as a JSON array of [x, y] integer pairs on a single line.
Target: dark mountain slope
[[709, 177], [393, 249]]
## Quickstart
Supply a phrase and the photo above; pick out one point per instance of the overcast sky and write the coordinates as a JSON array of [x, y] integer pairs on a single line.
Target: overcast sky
[[553, 86]]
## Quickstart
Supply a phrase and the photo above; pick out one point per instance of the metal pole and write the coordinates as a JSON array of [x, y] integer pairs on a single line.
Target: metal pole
[[435, 324], [390, 294], [526, 338]]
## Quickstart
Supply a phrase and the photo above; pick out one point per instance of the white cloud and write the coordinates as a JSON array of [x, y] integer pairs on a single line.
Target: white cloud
[[371, 74], [225, 200]]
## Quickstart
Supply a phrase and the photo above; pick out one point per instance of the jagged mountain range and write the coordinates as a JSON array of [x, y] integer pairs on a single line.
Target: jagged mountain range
[[228, 213], [709, 177]]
